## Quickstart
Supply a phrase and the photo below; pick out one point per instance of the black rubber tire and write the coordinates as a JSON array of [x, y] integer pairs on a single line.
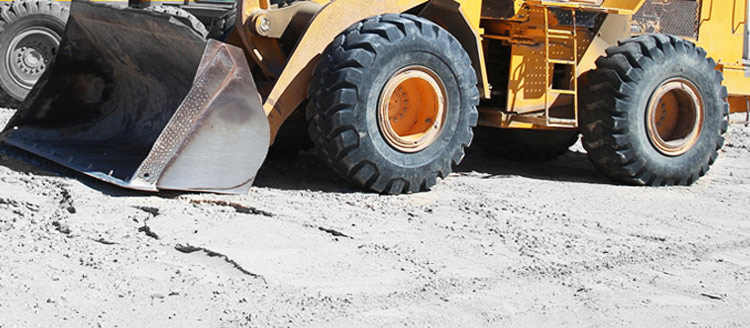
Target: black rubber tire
[[184, 17], [15, 18], [615, 100], [525, 144], [344, 94]]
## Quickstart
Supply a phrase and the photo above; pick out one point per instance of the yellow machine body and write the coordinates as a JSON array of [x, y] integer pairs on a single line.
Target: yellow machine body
[[529, 57], [723, 33], [528, 103]]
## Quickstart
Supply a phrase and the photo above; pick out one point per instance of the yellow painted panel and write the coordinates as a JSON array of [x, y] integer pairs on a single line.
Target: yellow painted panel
[[526, 85], [738, 104], [627, 7], [622, 7], [473, 11], [736, 82], [721, 30], [721, 34]]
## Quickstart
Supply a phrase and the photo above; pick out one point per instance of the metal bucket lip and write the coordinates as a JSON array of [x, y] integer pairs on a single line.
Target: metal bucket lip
[[109, 132], [62, 160]]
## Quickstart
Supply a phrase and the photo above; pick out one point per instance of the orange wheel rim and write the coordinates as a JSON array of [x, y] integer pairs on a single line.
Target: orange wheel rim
[[412, 109], [675, 117]]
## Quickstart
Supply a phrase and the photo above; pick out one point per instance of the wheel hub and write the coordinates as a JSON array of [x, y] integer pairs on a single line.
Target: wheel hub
[[674, 119], [412, 109], [29, 55], [32, 59]]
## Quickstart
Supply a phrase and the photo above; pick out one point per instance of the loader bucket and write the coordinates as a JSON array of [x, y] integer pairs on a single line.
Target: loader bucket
[[138, 100]]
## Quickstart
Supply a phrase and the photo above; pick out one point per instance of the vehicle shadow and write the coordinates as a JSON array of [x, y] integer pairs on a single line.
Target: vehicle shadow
[[572, 166], [305, 172], [20, 161], [296, 172]]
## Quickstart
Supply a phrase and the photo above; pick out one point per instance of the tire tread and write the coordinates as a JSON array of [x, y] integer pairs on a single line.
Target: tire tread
[[604, 122], [336, 75]]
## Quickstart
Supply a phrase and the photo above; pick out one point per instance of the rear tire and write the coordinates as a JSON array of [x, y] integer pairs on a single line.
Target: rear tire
[[368, 77], [184, 17], [525, 144], [654, 111], [30, 32]]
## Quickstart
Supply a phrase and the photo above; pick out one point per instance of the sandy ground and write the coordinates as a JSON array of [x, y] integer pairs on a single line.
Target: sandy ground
[[497, 244]]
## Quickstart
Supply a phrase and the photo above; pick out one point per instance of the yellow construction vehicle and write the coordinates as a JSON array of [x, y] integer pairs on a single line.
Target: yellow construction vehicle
[[392, 89]]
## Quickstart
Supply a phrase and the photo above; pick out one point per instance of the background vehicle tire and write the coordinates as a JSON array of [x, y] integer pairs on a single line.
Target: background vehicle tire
[[182, 16], [30, 32], [654, 111], [363, 86], [525, 144]]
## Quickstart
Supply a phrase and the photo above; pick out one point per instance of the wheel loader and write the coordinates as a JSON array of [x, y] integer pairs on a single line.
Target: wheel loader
[[392, 90]]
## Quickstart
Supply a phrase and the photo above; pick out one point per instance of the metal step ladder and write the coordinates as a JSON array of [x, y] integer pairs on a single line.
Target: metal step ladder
[[550, 92]]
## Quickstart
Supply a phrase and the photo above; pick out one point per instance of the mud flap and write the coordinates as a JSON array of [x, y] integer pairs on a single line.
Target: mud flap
[[138, 100]]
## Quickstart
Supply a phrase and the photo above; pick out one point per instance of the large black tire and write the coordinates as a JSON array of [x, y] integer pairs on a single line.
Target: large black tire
[[344, 103], [30, 32], [525, 144], [184, 17], [617, 97]]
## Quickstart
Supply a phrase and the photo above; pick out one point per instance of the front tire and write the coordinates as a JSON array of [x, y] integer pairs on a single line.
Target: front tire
[[392, 104], [654, 111]]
